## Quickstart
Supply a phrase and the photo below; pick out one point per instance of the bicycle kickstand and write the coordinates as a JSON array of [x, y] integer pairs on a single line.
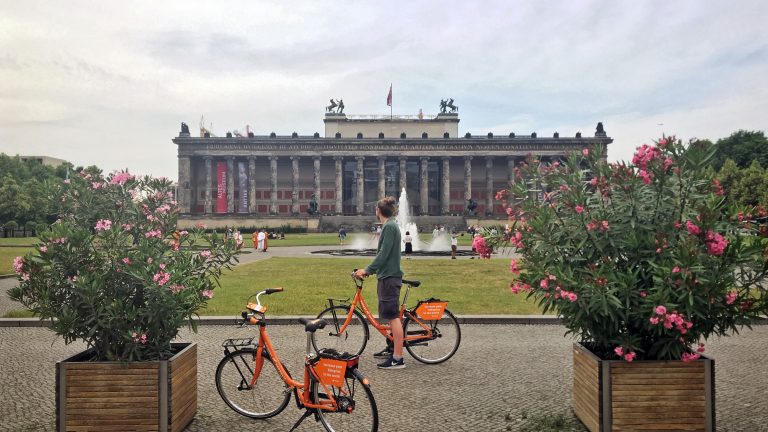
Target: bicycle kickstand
[[306, 414]]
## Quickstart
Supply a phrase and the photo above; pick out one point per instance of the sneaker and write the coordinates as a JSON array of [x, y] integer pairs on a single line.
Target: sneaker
[[386, 352], [391, 363]]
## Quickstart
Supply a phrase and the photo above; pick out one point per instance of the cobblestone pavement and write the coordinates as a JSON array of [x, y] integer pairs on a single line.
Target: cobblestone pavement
[[501, 378]]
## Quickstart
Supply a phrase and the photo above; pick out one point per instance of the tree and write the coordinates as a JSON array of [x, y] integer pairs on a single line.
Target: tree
[[742, 147]]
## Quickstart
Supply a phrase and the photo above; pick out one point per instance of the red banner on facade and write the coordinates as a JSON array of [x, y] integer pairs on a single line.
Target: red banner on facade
[[221, 187]]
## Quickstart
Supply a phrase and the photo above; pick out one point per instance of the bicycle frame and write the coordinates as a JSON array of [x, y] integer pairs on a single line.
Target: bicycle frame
[[382, 328], [300, 388]]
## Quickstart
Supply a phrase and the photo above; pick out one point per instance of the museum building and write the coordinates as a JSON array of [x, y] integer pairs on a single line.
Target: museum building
[[358, 160]]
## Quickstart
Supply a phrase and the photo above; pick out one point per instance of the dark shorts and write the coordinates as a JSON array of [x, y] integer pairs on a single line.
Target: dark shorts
[[388, 290]]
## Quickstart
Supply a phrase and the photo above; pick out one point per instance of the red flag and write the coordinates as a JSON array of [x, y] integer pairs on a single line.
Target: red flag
[[389, 96]]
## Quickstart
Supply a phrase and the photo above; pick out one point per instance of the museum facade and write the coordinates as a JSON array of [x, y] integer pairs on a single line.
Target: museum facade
[[358, 160]]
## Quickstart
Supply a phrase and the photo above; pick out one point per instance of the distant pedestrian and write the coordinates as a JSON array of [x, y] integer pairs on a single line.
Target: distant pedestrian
[[262, 239], [408, 240], [454, 245], [342, 235], [255, 239]]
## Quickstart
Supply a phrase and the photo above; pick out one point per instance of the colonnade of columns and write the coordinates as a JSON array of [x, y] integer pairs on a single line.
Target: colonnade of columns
[[185, 201]]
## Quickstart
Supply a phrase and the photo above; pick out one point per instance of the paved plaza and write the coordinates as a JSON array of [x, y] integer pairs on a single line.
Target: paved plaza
[[503, 378]]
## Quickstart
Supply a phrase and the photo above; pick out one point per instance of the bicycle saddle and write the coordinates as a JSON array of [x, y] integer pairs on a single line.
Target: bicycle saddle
[[311, 325], [413, 283]]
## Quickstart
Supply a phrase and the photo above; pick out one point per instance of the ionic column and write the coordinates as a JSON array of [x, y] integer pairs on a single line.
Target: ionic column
[[402, 173], [490, 193], [445, 202], [316, 178], [251, 185], [230, 184], [185, 180], [208, 181], [295, 185], [382, 174], [360, 185], [510, 170], [424, 185], [273, 182], [467, 177], [339, 184]]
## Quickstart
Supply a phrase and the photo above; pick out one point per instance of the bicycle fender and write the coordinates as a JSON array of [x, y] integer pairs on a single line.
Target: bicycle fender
[[363, 379]]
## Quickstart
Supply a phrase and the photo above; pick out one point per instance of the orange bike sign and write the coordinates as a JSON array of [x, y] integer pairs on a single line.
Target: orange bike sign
[[431, 311], [331, 372]]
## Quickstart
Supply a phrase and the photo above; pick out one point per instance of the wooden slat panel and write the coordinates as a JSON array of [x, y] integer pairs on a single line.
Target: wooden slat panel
[[586, 400]]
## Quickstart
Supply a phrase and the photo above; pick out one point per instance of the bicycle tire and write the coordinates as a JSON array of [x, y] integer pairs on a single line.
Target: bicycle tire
[[270, 391], [351, 341], [365, 415], [441, 347]]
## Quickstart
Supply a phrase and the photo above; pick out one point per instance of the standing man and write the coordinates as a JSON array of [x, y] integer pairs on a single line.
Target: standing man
[[386, 267], [342, 235], [454, 245]]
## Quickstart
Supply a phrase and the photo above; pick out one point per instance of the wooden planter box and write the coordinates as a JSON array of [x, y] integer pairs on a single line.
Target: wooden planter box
[[136, 396], [614, 395]]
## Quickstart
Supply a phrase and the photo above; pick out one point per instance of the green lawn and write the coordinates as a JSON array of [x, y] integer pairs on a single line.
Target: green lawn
[[20, 241], [7, 254], [471, 286]]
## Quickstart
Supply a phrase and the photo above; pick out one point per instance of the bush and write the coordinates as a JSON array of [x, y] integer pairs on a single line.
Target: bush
[[114, 272], [641, 260]]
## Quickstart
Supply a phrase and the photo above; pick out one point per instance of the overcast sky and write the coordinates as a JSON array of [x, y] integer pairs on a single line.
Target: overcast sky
[[108, 83]]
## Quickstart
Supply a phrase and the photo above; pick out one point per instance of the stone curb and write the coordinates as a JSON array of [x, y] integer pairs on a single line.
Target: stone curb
[[7, 276], [294, 319]]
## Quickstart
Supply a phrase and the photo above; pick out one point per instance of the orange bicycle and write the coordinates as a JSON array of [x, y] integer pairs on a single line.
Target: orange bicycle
[[432, 332], [253, 381]]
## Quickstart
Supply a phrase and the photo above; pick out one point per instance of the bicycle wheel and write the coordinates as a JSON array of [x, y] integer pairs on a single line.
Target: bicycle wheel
[[267, 398], [353, 339], [364, 415], [445, 340]]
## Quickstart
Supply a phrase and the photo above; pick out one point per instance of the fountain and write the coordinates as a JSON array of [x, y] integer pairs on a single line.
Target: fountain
[[366, 244]]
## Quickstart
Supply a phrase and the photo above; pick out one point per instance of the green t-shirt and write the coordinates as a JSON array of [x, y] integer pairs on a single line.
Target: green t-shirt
[[387, 261]]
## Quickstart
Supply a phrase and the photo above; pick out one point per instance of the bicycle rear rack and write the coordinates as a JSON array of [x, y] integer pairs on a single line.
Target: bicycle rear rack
[[236, 344]]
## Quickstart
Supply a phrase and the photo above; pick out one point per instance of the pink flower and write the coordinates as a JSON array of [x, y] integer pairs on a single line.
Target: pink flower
[[127, 261], [660, 310], [643, 294], [572, 296], [95, 185], [629, 356], [579, 209], [127, 227], [715, 243], [731, 297], [689, 357], [677, 224], [143, 339], [544, 284], [693, 229], [43, 248], [103, 225], [67, 181], [654, 320], [120, 178], [591, 226], [208, 294], [205, 254], [585, 152], [153, 233], [605, 225], [593, 182], [18, 264], [161, 278], [619, 351], [513, 267], [700, 348], [676, 269], [176, 288]]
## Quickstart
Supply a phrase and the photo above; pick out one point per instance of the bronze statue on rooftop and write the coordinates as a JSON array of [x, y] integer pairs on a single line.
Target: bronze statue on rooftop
[[453, 107], [338, 105]]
